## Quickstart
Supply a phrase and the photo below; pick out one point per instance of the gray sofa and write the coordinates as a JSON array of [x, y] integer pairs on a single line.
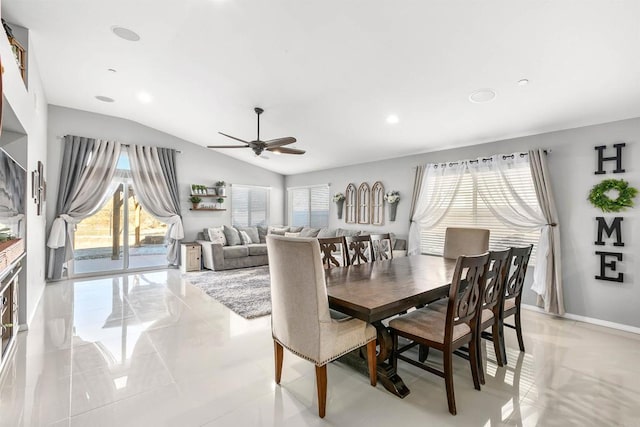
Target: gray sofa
[[235, 254]]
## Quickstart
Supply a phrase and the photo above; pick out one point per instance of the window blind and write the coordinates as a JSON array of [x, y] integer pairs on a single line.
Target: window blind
[[309, 206], [249, 206], [468, 210]]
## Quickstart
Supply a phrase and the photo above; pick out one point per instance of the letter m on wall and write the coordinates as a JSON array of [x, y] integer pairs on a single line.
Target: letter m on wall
[[610, 230]]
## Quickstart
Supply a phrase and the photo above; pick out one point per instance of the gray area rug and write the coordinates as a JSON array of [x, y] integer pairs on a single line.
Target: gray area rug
[[245, 291]]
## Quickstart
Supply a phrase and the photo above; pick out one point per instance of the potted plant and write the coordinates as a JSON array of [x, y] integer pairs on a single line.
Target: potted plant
[[392, 197], [195, 200], [338, 199], [220, 200], [221, 188]]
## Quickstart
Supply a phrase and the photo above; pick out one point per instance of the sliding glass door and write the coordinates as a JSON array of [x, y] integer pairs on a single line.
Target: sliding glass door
[[120, 236]]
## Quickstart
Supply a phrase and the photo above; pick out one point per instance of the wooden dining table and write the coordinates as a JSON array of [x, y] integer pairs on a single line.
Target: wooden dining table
[[379, 290]]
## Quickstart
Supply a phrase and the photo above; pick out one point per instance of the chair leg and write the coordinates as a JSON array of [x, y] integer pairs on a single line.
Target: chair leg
[[278, 350], [519, 330], [498, 343], [423, 352], [474, 361], [479, 361], [371, 359], [448, 380], [321, 384], [503, 348]]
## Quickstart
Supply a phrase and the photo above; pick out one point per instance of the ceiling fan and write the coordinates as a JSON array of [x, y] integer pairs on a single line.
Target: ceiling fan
[[258, 146]]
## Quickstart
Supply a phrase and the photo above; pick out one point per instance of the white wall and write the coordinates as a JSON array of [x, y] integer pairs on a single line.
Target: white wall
[[31, 112], [572, 163], [195, 165]]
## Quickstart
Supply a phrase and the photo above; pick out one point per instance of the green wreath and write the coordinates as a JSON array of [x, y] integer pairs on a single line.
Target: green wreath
[[599, 198]]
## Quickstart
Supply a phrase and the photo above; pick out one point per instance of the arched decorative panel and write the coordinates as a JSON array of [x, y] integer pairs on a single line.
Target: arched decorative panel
[[351, 202], [364, 211], [377, 204]]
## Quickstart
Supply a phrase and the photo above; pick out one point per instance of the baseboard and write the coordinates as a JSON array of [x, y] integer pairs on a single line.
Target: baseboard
[[585, 319]]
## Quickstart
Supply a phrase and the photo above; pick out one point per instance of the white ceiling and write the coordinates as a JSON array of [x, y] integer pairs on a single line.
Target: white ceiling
[[330, 72]]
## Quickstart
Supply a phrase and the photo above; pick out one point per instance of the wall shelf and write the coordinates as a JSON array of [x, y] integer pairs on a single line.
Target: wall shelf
[[206, 209], [207, 195]]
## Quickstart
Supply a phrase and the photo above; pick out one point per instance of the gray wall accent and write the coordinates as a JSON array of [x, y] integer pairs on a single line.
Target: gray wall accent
[[195, 165], [572, 163]]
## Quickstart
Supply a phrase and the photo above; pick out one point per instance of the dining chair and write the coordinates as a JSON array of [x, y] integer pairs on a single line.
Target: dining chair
[[359, 249], [381, 246], [447, 331], [513, 297], [300, 320], [465, 241], [330, 247]]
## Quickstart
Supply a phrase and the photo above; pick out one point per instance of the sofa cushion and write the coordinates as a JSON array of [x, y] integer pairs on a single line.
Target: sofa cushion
[[309, 232], [257, 249], [232, 236], [216, 235], [295, 229], [252, 232], [326, 232], [235, 251]]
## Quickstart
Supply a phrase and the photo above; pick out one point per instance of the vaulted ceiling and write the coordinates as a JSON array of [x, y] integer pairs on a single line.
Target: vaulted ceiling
[[331, 72]]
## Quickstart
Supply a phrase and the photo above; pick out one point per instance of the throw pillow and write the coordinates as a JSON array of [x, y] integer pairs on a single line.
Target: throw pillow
[[232, 236], [309, 232], [278, 231], [343, 232], [216, 235], [295, 229], [262, 234], [252, 232], [205, 235], [288, 234], [244, 237], [326, 232]]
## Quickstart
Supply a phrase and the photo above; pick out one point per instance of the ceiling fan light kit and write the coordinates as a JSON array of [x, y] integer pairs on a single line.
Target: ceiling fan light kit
[[258, 146]]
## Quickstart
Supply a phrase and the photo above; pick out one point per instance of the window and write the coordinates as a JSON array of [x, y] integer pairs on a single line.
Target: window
[[309, 206], [468, 210], [249, 206]]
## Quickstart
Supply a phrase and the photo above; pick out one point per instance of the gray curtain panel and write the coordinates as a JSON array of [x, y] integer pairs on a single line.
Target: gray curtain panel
[[88, 166], [154, 193], [552, 300], [417, 186], [167, 157]]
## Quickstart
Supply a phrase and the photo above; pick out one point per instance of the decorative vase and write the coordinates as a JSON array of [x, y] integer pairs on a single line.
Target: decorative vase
[[195, 205], [340, 205], [392, 211], [221, 191]]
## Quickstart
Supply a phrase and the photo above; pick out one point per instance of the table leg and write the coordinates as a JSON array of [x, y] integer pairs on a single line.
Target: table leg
[[387, 375]]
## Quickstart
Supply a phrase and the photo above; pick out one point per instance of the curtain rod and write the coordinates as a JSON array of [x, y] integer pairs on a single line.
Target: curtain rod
[[123, 145], [504, 157]]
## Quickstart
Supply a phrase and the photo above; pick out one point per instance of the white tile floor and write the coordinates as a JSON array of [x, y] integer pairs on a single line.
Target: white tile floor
[[149, 350]]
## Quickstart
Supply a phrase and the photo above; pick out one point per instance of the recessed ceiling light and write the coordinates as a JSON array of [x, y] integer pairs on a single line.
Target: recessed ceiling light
[[144, 97], [104, 98], [482, 95], [523, 82], [125, 33], [392, 119]]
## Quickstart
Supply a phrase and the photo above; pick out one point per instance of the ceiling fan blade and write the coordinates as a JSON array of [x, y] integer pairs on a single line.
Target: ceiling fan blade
[[233, 137], [285, 150], [278, 142], [227, 146]]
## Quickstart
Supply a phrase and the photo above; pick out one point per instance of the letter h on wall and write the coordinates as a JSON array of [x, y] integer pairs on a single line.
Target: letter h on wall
[[618, 158]]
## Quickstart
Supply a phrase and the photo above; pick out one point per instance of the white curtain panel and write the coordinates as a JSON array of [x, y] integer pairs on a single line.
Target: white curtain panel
[[440, 185], [547, 281], [150, 186], [92, 191]]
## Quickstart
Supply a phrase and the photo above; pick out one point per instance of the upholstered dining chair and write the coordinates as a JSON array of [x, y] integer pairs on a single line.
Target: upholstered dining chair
[[465, 241], [381, 246], [330, 247], [447, 331], [300, 318], [359, 249]]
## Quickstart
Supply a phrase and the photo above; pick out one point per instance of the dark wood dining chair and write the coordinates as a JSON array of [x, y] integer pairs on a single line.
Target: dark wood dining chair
[[382, 246], [492, 299], [359, 249], [513, 295], [447, 331], [330, 247]]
